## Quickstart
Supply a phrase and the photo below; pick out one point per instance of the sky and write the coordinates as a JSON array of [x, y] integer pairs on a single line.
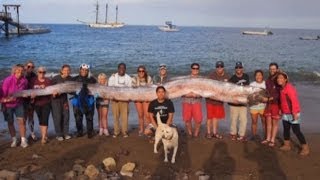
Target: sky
[[303, 14]]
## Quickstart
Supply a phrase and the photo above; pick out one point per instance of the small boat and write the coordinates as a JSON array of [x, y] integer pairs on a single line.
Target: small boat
[[169, 27], [106, 24], [259, 33], [30, 30], [310, 38]]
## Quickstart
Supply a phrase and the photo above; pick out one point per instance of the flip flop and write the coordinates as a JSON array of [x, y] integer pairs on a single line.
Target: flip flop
[[217, 136]]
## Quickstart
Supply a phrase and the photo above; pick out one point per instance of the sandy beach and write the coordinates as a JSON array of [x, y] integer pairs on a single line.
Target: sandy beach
[[218, 159]]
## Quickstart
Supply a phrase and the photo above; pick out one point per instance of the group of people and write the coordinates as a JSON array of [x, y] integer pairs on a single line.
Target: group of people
[[280, 104]]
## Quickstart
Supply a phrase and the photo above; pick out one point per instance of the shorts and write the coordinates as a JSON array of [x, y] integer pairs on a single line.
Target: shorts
[[18, 111], [192, 111], [257, 111], [272, 110], [215, 111], [43, 113]]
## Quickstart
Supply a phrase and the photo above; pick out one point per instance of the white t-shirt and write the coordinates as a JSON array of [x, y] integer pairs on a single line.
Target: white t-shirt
[[261, 85], [120, 81]]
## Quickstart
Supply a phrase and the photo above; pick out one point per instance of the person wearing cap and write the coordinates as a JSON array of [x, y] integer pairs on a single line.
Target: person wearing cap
[[162, 77], [142, 79], [192, 107], [85, 78], [120, 109], [215, 109], [291, 114], [60, 112], [14, 106], [238, 112], [42, 104], [29, 67], [272, 110]]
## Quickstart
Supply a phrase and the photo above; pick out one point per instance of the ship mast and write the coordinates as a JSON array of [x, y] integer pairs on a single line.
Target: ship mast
[[106, 21], [117, 14], [97, 12]]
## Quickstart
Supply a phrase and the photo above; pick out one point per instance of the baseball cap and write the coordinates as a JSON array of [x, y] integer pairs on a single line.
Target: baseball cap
[[162, 66], [239, 64], [219, 63]]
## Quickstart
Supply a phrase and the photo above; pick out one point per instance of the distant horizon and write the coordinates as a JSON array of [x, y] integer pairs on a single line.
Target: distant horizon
[[186, 26]]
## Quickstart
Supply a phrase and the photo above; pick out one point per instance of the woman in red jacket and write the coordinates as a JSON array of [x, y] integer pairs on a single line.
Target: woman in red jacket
[[290, 108]]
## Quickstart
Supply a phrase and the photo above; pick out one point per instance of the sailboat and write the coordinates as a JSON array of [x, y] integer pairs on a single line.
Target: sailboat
[[106, 24]]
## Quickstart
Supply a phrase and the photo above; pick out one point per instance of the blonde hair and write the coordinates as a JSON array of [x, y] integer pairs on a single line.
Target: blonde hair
[[102, 76]]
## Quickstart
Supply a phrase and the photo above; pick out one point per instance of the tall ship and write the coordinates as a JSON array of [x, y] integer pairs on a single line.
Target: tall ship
[[106, 24], [259, 33]]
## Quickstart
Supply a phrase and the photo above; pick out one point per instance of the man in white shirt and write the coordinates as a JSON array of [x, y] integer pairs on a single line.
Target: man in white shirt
[[120, 109]]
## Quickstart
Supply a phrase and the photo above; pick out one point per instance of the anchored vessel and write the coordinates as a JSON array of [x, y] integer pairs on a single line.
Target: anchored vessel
[[259, 33], [169, 27]]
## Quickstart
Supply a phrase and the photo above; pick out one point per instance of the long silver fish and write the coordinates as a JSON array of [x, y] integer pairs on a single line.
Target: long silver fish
[[207, 88]]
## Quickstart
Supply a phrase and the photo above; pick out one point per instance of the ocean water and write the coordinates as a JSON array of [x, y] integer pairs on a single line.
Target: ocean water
[[103, 49]]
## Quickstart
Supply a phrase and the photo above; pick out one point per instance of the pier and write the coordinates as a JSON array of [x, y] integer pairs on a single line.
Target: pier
[[6, 17]]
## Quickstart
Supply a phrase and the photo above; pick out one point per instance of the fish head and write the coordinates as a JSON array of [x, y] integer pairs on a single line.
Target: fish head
[[257, 97]]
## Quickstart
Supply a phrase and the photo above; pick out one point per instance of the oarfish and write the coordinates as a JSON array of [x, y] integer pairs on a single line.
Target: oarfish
[[207, 88]]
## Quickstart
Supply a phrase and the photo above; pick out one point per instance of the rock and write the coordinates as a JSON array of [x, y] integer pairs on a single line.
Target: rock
[[49, 176], [204, 177], [91, 171], [36, 156], [69, 175], [185, 177], [28, 169], [199, 173], [127, 169], [148, 177], [9, 175], [79, 161], [82, 177], [78, 169], [124, 152], [109, 164]]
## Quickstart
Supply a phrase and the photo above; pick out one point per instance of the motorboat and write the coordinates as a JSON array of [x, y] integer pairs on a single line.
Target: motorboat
[[169, 27], [259, 33]]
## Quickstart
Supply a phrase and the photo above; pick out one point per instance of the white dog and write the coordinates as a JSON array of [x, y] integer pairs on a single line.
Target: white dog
[[169, 137]]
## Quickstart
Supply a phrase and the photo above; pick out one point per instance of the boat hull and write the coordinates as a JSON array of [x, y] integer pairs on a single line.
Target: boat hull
[[265, 33], [109, 25], [166, 29]]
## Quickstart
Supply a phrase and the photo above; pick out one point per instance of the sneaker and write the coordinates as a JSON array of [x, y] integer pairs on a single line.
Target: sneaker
[[125, 135], [90, 135], [59, 138], [33, 136], [66, 137], [101, 132], [24, 142], [14, 142], [140, 134], [106, 132], [79, 134], [115, 135]]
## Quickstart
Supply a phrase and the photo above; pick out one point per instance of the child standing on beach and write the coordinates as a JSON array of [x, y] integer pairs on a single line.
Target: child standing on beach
[[257, 111], [102, 106], [291, 118]]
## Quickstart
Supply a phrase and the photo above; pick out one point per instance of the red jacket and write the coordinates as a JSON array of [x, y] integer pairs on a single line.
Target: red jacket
[[289, 90]]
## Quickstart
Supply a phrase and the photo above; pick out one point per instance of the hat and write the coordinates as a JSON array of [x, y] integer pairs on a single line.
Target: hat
[[239, 64], [284, 74], [219, 63], [84, 66], [162, 66]]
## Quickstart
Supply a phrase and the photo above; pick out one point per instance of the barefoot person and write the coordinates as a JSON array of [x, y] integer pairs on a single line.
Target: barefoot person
[[215, 109], [102, 106], [120, 109], [191, 106], [14, 106], [78, 109], [272, 110], [238, 112], [163, 75], [165, 108], [291, 117], [142, 79], [60, 104], [257, 111], [28, 106], [42, 104]]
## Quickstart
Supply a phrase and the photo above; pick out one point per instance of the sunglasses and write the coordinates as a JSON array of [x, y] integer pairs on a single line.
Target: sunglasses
[[219, 66], [30, 67], [239, 67], [41, 72], [195, 68], [141, 71]]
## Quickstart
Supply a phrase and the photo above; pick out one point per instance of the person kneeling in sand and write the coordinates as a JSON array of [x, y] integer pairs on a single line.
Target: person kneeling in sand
[[165, 108]]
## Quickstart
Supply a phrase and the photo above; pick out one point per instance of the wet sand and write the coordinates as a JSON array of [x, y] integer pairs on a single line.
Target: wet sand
[[221, 159]]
